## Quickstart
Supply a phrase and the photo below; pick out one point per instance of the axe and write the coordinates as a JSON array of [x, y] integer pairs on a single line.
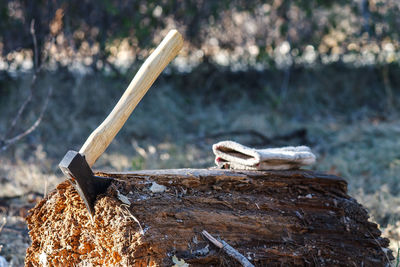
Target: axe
[[77, 165]]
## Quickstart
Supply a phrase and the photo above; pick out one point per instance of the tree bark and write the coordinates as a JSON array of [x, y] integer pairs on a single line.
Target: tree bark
[[146, 218]]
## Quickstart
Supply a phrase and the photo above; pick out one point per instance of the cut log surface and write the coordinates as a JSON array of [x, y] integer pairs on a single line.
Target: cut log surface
[[273, 218]]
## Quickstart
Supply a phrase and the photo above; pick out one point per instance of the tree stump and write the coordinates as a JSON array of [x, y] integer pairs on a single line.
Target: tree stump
[[148, 218]]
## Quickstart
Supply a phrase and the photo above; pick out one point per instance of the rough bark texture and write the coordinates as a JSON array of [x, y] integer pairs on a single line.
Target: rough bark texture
[[271, 217]]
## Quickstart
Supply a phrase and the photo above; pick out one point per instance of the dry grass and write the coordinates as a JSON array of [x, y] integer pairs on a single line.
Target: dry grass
[[344, 113]]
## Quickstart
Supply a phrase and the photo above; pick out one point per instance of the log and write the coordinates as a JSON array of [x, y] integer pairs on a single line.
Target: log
[[156, 217]]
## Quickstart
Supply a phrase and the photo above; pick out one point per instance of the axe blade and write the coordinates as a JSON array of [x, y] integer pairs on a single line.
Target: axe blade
[[89, 186]]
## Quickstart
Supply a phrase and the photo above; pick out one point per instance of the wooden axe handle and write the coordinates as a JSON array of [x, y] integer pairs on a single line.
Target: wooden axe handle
[[100, 138]]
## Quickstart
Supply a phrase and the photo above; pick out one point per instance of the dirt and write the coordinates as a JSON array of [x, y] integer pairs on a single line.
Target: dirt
[[14, 238], [273, 218]]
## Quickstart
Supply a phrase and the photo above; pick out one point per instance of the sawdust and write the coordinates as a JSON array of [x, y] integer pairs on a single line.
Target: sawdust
[[273, 218], [75, 238]]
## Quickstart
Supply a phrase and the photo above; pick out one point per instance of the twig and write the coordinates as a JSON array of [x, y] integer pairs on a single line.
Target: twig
[[212, 239], [4, 142], [288, 69], [35, 47], [228, 249], [18, 137], [379, 244], [366, 16], [36, 70], [3, 224], [20, 110], [130, 215]]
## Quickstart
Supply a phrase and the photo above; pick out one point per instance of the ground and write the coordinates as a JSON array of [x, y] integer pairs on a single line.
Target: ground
[[349, 122]]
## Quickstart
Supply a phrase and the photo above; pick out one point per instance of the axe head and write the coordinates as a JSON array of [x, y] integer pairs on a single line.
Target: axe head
[[89, 186]]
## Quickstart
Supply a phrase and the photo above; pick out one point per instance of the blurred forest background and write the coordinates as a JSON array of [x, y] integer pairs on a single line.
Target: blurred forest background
[[265, 73]]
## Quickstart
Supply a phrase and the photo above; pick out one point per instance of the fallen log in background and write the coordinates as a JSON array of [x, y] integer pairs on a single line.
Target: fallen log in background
[[151, 217]]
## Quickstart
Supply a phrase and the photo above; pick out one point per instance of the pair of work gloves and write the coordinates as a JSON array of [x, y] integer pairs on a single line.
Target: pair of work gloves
[[232, 155]]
